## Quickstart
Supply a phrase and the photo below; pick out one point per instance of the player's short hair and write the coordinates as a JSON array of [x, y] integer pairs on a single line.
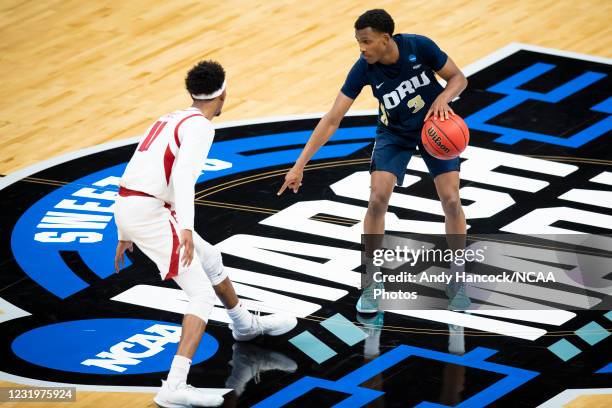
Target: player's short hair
[[205, 77], [377, 19]]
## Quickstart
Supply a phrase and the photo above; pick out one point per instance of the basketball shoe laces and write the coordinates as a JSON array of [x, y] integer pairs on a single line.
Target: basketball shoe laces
[[256, 322], [190, 388]]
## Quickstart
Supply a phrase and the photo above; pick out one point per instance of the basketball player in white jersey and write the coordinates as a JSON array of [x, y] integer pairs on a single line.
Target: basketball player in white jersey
[[155, 211]]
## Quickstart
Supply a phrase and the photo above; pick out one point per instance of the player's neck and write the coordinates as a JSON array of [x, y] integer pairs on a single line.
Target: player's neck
[[208, 109], [392, 56]]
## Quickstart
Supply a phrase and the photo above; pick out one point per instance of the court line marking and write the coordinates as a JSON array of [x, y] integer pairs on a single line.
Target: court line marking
[[95, 388], [10, 311]]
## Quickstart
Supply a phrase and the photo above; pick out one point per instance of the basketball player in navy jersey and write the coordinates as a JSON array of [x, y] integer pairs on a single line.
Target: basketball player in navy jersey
[[400, 69]]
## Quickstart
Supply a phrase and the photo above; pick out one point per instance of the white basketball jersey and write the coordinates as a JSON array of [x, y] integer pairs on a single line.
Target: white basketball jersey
[[169, 159]]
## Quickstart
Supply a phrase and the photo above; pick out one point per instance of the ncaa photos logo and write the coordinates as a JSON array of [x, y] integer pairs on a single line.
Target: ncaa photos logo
[[69, 318]]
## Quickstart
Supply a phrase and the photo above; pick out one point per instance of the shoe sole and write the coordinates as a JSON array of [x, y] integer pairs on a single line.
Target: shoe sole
[[360, 310], [282, 331], [165, 404]]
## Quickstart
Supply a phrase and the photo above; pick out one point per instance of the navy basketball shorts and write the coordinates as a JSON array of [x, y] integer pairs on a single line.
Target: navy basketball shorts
[[392, 153]]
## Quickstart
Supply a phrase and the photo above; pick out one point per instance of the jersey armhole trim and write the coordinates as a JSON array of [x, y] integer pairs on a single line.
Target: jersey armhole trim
[[176, 129]]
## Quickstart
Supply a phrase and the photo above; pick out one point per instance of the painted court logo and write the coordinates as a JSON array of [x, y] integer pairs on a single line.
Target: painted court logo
[[73, 316], [106, 346]]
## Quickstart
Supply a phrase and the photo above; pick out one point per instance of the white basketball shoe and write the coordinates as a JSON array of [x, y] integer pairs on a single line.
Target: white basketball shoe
[[185, 396], [271, 325]]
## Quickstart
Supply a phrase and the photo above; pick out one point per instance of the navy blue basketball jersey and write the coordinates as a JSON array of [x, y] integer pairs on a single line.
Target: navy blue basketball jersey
[[406, 89]]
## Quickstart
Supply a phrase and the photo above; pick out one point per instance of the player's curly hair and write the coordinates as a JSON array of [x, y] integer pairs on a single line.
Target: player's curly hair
[[205, 77], [377, 19]]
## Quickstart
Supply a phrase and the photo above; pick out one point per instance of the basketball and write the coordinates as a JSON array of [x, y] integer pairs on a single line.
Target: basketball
[[445, 139]]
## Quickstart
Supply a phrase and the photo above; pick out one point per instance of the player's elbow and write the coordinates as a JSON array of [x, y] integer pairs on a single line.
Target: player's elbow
[[332, 119], [463, 82], [458, 82]]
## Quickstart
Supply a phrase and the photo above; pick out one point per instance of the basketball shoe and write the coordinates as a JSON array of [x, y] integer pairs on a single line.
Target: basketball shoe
[[271, 325], [184, 396]]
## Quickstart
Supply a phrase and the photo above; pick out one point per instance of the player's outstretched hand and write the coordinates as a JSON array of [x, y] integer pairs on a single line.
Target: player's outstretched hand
[[120, 253], [293, 180], [439, 109], [187, 243]]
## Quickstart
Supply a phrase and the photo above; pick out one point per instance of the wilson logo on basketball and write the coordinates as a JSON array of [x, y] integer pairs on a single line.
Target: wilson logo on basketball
[[437, 140]]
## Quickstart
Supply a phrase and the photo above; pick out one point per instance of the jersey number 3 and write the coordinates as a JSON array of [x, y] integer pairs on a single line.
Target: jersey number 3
[[153, 133], [417, 103]]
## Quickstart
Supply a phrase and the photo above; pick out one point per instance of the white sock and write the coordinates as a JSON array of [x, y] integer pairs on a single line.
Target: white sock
[[178, 371], [241, 317]]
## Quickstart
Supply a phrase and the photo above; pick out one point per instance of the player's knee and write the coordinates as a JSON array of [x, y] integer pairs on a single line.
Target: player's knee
[[213, 266], [378, 203], [451, 205], [201, 304]]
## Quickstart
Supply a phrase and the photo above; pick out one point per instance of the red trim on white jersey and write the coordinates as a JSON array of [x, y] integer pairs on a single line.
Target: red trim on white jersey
[[172, 212], [126, 192], [174, 257], [168, 155], [155, 131], [176, 129], [168, 162]]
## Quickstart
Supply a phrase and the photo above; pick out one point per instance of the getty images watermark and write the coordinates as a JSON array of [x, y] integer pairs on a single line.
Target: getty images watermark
[[489, 271]]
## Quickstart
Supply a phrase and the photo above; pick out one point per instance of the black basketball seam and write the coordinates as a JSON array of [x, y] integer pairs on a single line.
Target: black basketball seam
[[447, 138], [459, 126]]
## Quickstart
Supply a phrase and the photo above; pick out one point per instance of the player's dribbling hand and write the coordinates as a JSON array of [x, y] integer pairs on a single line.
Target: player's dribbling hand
[[187, 243], [120, 253], [439, 109], [293, 180]]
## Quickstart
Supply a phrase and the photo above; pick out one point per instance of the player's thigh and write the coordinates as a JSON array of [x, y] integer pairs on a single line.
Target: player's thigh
[[445, 174], [388, 163], [381, 186], [194, 282], [154, 231]]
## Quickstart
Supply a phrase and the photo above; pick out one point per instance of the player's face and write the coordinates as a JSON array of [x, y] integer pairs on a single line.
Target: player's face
[[372, 44]]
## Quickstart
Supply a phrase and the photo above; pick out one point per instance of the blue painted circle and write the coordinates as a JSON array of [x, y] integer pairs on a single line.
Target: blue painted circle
[[66, 346]]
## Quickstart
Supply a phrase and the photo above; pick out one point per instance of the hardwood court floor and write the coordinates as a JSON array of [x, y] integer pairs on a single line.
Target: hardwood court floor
[[76, 74]]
